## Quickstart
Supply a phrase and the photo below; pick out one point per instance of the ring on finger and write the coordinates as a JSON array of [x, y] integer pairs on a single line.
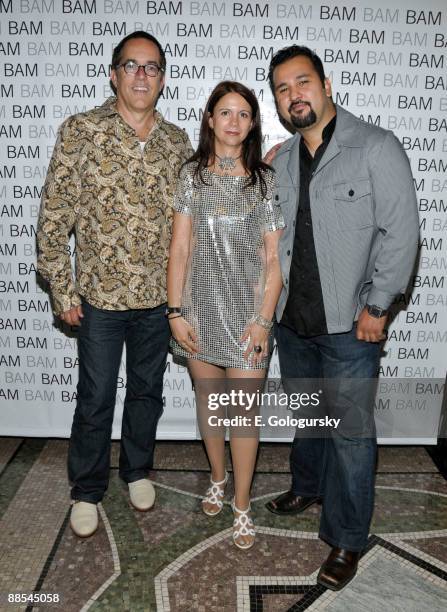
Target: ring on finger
[[257, 348]]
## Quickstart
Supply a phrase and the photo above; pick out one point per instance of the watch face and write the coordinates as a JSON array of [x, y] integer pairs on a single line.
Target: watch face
[[375, 311]]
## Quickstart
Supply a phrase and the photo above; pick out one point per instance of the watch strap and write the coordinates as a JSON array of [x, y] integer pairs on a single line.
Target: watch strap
[[173, 309], [376, 311]]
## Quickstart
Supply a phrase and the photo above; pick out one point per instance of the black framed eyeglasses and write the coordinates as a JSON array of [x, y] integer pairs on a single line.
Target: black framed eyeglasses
[[131, 67]]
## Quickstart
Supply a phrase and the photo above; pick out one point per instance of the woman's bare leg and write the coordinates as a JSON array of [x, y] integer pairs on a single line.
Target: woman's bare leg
[[213, 438], [244, 448]]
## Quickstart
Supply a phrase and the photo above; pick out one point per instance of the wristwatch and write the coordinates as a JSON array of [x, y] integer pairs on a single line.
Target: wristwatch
[[376, 311], [172, 309]]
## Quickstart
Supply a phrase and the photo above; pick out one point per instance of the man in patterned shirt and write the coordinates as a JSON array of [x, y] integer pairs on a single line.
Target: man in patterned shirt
[[111, 181]]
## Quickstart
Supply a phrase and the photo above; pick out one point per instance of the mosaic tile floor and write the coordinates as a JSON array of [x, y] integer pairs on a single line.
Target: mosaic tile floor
[[175, 558]]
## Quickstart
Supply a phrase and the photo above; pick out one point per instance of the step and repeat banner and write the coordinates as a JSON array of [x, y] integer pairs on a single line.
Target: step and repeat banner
[[388, 65]]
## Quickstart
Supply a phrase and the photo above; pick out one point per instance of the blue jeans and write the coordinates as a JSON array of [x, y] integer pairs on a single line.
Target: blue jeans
[[338, 467], [101, 338]]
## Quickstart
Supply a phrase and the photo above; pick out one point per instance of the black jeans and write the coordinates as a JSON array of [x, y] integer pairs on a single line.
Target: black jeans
[[340, 466], [101, 338]]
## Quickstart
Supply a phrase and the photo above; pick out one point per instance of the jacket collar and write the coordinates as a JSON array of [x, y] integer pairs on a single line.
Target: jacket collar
[[347, 131], [346, 134]]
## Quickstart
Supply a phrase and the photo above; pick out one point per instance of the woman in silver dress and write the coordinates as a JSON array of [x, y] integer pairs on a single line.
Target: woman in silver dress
[[224, 281]]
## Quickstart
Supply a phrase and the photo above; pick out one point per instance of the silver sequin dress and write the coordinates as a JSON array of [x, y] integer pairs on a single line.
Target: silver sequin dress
[[224, 285]]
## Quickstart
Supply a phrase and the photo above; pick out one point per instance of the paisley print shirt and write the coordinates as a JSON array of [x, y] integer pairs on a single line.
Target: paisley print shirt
[[118, 201]]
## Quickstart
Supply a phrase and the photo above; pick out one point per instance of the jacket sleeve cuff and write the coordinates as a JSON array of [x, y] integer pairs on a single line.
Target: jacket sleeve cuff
[[64, 300], [379, 298]]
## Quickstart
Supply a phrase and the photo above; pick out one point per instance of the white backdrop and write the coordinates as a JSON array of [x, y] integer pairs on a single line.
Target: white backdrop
[[388, 65]]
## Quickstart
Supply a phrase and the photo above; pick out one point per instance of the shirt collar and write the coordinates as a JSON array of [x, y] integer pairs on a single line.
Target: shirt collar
[[108, 109], [329, 129]]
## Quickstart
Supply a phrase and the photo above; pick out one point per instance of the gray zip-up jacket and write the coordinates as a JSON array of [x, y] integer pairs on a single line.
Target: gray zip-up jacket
[[364, 216]]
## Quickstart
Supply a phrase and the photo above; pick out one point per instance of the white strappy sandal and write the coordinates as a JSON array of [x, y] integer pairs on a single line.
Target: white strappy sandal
[[214, 495], [243, 526]]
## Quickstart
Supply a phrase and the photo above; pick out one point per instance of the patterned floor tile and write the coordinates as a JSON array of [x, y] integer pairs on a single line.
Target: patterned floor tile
[[176, 558], [405, 586], [78, 565], [32, 519], [8, 447], [435, 547], [15, 471], [218, 561], [430, 482]]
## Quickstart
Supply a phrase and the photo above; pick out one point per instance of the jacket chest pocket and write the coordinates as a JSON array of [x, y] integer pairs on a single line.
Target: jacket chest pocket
[[353, 204]]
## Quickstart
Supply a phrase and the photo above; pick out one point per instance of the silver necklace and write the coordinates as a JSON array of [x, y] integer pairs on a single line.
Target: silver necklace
[[227, 163]]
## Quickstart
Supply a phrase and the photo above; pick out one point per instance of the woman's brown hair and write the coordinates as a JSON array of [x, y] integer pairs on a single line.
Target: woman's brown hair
[[252, 145]]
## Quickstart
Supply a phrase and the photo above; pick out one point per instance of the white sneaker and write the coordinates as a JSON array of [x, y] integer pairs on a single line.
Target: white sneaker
[[142, 494], [84, 519]]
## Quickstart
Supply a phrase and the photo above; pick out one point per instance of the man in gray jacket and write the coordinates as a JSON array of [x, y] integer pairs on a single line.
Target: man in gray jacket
[[346, 193]]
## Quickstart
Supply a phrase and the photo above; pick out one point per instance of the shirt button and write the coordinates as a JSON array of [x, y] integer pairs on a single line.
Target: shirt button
[[288, 252], [276, 197], [351, 192]]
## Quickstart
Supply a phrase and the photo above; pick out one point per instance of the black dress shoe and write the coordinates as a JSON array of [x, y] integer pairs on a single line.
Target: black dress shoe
[[338, 569], [288, 503]]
